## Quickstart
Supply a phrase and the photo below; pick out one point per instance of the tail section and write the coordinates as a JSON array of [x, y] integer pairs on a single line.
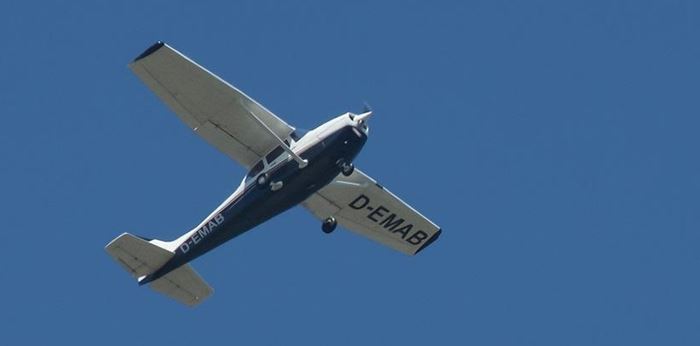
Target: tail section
[[141, 257], [184, 285], [137, 255]]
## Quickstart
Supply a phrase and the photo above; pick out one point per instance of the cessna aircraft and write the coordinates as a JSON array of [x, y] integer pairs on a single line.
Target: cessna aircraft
[[284, 169]]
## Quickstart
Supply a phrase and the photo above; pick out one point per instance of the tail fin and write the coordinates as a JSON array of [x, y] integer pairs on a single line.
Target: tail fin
[[141, 257]]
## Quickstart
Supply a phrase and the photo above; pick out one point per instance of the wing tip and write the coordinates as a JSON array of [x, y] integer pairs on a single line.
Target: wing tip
[[430, 241], [150, 50]]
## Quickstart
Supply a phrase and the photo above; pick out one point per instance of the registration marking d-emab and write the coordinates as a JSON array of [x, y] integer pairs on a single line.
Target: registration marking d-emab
[[202, 232], [391, 222]]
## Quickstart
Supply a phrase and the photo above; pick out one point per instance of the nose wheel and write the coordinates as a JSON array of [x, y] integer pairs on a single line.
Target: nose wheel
[[329, 225], [346, 167]]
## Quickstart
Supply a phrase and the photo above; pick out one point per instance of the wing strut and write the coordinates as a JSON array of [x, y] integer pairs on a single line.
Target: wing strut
[[297, 158]]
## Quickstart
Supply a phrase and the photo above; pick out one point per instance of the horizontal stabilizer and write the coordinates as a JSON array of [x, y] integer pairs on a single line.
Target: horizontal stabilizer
[[184, 285], [138, 256]]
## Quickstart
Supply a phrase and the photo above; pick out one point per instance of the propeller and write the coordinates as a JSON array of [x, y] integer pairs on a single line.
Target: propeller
[[366, 113]]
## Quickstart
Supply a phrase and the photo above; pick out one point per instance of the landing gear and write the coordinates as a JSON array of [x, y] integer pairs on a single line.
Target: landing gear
[[346, 167], [262, 180], [276, 185], [329, 225]]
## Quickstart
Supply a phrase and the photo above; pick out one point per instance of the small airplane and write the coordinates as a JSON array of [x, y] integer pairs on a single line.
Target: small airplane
[[285, 168]]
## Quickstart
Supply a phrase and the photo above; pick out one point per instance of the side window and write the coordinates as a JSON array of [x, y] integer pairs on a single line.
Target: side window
[[256, 169], [274, 154]]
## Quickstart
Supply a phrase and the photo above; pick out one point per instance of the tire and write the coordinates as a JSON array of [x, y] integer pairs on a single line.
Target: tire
[[329, 225], [347, 168]]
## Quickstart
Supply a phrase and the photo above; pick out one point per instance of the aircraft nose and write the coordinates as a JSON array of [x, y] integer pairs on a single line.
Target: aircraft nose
[[361, 118], [361, 121]]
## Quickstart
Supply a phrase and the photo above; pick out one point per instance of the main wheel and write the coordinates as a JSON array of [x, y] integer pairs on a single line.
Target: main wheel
[[329, 225], [262, 179], [347, 168]]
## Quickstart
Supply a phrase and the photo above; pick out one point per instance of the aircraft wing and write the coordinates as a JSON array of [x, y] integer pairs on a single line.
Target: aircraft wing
[[361, 205], [214, 109]]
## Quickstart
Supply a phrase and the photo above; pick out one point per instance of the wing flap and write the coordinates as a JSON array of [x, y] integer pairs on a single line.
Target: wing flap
[[217, 136], [216, 110], [361, 205], [320, 206]]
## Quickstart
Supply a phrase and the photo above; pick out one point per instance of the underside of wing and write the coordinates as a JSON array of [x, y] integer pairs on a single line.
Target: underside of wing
[[361, 205], [224, 116]]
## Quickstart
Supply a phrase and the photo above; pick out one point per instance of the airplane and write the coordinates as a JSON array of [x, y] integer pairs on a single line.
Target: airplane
[[285, 168]]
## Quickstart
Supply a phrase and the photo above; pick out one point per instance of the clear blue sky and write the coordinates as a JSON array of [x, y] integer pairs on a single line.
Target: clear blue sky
[[554, 141]]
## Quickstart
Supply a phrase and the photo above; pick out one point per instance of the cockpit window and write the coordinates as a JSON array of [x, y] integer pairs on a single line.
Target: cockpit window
[[256, 169], [274, 154]]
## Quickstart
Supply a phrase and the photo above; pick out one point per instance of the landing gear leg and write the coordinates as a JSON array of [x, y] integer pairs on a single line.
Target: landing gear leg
[[329, 225]]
